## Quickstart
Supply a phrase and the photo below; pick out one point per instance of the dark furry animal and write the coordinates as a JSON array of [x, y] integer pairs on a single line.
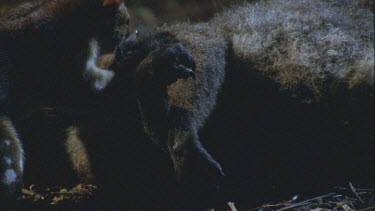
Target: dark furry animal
[[299, 90], [172, 110], [48, 51], [314, 59]]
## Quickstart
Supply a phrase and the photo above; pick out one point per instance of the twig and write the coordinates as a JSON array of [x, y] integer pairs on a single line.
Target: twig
[[287, 203], [358, 189], [346, 207], [231, 206], [305, 202], [355, 193], [368, 209]]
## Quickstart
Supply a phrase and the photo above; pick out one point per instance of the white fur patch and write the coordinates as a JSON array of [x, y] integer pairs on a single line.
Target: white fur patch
[[98, 77], [10, 176], [20, 163], [8, 161], [8, 142]]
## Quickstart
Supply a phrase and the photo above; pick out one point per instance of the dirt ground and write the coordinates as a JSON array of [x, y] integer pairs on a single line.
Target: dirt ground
[[83, 196]]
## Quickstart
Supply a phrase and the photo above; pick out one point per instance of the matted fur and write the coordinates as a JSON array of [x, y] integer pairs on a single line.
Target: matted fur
[[27, 14], [320, 50], [311, 45], [209, 48]]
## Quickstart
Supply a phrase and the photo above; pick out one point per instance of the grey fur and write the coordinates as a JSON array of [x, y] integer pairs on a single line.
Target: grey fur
[[208, 48], [188, 106], [313, 47], [304, 43]]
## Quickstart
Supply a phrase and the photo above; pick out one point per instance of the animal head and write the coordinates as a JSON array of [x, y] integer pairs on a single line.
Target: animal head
[[155, 63]]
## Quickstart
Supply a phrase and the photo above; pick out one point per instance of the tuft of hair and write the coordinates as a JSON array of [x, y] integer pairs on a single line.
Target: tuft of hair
[[31, 13], [318, 46], [79, 156]]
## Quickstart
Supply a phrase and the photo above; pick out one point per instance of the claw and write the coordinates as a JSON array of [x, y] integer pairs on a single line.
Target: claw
[[188, 61], [185, 73]]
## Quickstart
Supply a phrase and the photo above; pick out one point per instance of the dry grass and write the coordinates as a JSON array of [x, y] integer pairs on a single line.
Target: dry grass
[[342, 198], [58, 195]]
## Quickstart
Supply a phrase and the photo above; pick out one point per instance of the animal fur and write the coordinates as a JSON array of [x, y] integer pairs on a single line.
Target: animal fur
[[314, 46], [170, 105], [319, 52], [47, 58]]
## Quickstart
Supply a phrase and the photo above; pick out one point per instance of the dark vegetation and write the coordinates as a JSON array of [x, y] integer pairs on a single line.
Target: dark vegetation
[[294, 72]]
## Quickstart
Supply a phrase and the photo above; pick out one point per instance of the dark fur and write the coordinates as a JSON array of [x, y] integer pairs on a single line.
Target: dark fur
[[299, 92], [172, 109], [260, 112], [44, 46], [278, 97]]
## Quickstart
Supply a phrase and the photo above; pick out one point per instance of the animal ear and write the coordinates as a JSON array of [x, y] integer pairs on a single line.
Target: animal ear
[[133, 37], [111, 2]]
